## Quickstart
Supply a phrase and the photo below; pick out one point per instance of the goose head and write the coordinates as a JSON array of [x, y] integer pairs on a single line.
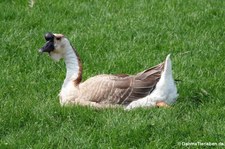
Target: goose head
[[55, 45]]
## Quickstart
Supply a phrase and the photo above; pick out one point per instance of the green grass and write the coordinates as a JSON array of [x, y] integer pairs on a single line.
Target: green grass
[[112, 37]]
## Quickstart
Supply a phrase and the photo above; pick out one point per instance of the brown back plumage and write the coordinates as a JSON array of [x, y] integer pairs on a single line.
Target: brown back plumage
[[120, 89]]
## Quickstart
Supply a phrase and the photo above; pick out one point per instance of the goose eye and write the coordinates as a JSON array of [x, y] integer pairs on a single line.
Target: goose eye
[[58, 38]]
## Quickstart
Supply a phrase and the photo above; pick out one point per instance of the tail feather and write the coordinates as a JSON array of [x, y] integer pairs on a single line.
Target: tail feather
[[168, 66], [166, 88], [155, 83]]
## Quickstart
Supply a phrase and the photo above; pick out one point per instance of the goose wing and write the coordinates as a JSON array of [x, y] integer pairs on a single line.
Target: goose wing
[[120, 89]]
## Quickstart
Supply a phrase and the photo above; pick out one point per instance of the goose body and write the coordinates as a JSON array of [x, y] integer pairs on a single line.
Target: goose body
[[152, 87]]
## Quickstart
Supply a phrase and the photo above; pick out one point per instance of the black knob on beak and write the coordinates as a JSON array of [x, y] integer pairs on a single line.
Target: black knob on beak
[[49, 36], [49, 45]]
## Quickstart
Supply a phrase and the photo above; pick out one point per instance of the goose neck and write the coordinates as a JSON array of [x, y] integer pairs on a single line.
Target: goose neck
[[73, 66]]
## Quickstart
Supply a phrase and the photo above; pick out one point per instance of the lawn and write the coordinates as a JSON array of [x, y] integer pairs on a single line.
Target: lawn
[[112, 37]]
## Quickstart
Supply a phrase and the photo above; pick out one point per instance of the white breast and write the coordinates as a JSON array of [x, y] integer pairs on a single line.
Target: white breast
[[68, 93]]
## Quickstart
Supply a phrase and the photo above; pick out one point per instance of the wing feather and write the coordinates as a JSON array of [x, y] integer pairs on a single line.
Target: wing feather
[[120, 89]]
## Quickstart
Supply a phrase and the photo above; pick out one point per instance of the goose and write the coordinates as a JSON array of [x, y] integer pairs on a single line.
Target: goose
[[153, 87]]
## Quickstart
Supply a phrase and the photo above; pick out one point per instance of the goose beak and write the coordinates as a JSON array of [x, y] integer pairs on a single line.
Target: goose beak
[[48, 47]]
